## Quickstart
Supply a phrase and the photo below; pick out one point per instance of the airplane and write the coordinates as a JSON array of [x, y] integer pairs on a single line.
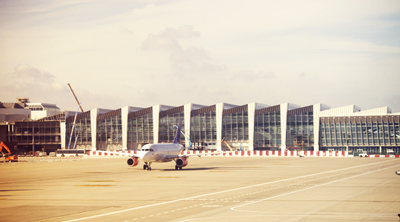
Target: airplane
[[159, 153]]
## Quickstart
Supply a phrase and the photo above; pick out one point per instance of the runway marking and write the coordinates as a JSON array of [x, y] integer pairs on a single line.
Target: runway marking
[[166, 177], [296, 191], [291, 214], [213, 206], [225, 191], [101, 181]]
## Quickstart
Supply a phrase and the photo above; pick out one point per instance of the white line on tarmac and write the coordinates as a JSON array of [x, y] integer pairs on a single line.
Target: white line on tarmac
[[224, 191], [298, 214], [296, 191]]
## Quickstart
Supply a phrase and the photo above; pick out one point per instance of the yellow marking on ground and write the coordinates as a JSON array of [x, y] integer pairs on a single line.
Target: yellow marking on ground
[[166, 177], [218, 171], [101, 181], [94, 185]]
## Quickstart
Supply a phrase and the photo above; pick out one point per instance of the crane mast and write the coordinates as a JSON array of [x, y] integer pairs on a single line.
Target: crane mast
[[76, 98]]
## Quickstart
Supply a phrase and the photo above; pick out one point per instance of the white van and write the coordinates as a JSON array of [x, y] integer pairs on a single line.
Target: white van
[[210, 146]]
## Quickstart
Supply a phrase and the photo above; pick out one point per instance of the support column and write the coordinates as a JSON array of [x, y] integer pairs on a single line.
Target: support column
[[187, 111], [283, 110], [218, 112], [124, 121], [251, 115], [63, 132], [156, 120], [316, 111], [93, 123]]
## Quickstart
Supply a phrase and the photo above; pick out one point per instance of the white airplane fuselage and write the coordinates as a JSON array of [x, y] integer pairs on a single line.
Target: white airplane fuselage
[[159, 152]]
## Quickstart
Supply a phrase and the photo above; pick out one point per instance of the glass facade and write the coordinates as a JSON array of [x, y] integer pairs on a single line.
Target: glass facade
[[140, 127], [169, 119], [203, 125], [379, 134], [235, 124], [82, 131], [36, 135], [109, 129], [300, 128], [360, 131], [267, 128]]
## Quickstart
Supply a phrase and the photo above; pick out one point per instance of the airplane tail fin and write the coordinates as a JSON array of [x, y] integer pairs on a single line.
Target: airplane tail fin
[[178, 133]]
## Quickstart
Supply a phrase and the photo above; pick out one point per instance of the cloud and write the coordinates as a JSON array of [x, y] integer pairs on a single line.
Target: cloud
[[27, 77], [41, 86], [160, 42], [168, 39], [183, 61], [28, 73], [37, 84], [184, 32], [249, 75], [194, 59]]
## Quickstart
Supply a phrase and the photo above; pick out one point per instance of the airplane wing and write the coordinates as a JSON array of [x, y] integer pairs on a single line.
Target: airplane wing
[[135, 155], [206, 154], [171, 157]]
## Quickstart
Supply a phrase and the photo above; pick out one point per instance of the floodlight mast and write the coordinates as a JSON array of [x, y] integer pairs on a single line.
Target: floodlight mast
[[79, 104]]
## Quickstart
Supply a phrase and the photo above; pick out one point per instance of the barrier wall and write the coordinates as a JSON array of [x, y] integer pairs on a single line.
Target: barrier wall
[[233, 153], [229, 154], [395, 156]]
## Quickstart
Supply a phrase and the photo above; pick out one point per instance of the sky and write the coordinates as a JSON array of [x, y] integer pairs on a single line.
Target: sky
[[173, 52]]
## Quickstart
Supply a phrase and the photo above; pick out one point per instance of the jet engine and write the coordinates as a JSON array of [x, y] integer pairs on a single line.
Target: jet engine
[[133, 161], [181, 162]]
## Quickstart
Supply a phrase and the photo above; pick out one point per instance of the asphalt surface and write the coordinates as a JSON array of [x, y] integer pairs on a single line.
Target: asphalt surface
[[208, 189]]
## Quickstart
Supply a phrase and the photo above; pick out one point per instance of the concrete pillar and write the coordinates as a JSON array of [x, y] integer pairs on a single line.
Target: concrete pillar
[[63, 137], [93, 123], [283, 110], [124, 122], [187, 111], [156, 120], [316, 111], [218, 112], [251, 115]]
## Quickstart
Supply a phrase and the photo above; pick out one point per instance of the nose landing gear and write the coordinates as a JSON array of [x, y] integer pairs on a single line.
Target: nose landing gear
[[147, 166]]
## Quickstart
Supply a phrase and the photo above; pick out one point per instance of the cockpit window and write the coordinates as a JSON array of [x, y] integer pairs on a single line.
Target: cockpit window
[[148, 150]]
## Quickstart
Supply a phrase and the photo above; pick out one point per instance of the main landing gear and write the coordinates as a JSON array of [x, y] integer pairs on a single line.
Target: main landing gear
[[178, 168], [147, 166]]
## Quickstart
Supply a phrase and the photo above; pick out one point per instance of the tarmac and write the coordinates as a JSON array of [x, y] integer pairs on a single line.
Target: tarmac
[[208, 189]]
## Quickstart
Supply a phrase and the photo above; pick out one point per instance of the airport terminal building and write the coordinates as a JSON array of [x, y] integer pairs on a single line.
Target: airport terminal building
[[253, 126]]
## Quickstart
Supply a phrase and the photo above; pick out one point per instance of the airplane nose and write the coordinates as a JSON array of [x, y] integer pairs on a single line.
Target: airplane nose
[[142, 155]]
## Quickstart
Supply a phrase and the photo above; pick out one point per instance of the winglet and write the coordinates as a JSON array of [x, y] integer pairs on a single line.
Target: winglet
[[178, 133]]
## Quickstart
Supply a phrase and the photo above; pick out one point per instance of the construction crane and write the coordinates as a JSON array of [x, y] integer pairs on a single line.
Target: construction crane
[[76, 98], [223, 141], [73, 125], [8, 157]]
